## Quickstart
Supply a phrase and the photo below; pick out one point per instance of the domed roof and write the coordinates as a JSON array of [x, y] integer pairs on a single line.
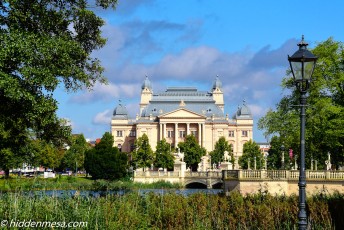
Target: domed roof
[[217, 83], [243, 112], [146, 84], [120, 112]]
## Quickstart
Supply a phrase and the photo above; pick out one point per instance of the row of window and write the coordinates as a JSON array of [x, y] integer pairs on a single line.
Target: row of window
[[182, 133], [132, 133], [244, 133]]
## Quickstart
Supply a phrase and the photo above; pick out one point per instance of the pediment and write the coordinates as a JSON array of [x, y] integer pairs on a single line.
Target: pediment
[[182, 113]]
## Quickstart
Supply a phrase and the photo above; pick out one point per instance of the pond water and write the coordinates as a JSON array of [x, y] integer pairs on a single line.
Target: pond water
[[88, 193]]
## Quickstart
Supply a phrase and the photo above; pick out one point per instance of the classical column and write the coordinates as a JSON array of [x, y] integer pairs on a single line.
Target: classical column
[[187, 128], [203, 135], [164, 130], [199, 134], [160, 132], [175, 135]]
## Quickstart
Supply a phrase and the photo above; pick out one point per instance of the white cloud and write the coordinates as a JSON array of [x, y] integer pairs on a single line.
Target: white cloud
[[103, 118], [107, 93]]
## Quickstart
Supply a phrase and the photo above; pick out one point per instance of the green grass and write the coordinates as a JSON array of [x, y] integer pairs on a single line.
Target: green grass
[[75, 183], [171, 211]]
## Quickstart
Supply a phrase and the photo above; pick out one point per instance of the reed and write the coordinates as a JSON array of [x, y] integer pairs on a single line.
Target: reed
[[173, 211]]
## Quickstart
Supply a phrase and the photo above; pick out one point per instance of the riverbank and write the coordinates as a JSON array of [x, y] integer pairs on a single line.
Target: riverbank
[[173, 211], [76, 183]]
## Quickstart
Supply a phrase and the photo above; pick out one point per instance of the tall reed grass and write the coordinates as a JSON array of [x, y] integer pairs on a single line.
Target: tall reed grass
[[172, 211]]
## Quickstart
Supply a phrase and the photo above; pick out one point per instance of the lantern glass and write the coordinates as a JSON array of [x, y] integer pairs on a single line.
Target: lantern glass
[[302, 71]]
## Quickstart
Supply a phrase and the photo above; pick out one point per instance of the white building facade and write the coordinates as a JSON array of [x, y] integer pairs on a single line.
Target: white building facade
[[181, 111]]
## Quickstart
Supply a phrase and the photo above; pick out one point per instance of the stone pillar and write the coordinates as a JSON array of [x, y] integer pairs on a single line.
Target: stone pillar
[[164, 130], [175, 135], [160, 132], [203, 135], [199, 134], [187, 129]]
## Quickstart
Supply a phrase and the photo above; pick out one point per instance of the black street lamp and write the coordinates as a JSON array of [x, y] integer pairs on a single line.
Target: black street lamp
[[302, 64]]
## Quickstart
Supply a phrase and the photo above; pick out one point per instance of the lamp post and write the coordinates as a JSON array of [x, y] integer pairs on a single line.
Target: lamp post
[[302, 64]]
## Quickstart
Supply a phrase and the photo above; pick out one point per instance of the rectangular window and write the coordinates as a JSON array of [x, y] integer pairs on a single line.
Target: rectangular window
[[181, 134], [132, 133], [170, 133], [244, 133], [194, 133], [119, 133], [231, 133]]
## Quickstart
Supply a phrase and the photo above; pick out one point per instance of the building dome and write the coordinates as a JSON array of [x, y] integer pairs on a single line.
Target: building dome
[[243, 112], [146, 84], [120, 112], [217, 83]]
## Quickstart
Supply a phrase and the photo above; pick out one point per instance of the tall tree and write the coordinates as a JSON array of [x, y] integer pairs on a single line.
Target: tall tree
[[221, 146], [163, 155], [75, 155], [252, 154], [44, 44], [105, 161], [192, 152], [143, 155], [325, 111]]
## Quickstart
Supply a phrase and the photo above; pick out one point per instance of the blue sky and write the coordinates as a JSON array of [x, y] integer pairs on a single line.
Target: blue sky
[[189, 43]]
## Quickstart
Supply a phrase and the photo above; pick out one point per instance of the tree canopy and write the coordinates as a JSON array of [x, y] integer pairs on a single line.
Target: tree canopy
[[192, 152], [217, 155], [143, 155], [74, 157], [252, 154], [163, 155], [105, 161], [44, 44], [324, 113]]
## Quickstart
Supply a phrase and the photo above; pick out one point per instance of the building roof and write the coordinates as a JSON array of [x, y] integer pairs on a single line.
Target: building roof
[[120, 112], [243, 112], [190, 98], [146, 84]]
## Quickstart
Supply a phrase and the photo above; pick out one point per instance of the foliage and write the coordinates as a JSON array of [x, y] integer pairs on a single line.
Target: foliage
[[172, 211], [192, 152], [105, 161], [324, 113], [44, 44], [163, 155], [274, 159], [75, 155], [217, 155], [45, 154], [251, 152], [143, 155]]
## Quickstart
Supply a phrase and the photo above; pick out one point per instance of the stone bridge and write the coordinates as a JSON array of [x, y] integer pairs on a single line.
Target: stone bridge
[[282, 181], [185, 178]]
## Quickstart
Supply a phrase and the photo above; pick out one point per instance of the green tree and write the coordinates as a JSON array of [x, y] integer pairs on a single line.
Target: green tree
[[75, 155], [324, 113], [192, 152], [217, 155], [163, 155], [44, 44], [105, 161], [143, 155], [45, 154], [251, 152]]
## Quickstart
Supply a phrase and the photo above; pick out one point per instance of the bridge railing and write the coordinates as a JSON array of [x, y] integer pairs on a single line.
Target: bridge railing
[[156, 174], [203, 174], [281, 175], [178, 174]]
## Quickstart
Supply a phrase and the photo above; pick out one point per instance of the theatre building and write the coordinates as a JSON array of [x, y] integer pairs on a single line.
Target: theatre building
[[181, 111]]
